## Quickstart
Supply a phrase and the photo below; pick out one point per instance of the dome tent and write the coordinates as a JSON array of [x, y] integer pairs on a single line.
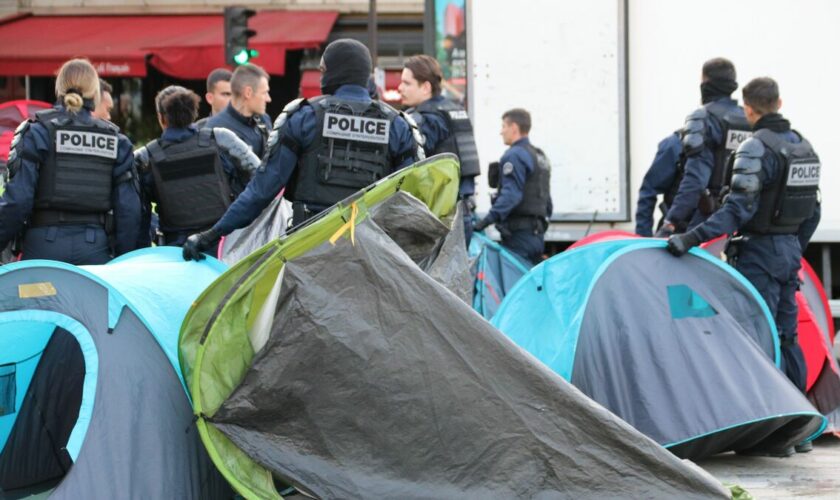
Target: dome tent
[[348, 371], [93, 405], [682, 349], [496, 270]]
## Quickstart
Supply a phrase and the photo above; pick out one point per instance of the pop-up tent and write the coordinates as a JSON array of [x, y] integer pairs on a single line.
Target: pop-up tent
[[271, 223], [496, 270], [348, 371], [816, 326], [682, 349], [91, 400]]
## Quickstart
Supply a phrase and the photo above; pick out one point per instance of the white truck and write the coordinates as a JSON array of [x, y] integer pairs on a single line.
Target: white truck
[[606, 80]]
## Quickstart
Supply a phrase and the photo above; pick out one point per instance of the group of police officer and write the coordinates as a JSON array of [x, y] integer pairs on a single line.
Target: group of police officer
[[79, 194], [744, 173]]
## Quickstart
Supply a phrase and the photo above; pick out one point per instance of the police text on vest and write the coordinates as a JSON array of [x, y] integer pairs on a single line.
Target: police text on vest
[[734, 138], [804, 174], [356, 128], [78, 142]]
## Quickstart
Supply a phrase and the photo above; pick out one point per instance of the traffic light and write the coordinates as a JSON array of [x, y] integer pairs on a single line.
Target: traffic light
[[237, 35]]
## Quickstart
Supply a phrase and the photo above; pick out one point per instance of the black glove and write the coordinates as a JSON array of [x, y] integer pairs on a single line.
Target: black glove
[[680, 244], [665, 231], [482, 224], [198, 243]]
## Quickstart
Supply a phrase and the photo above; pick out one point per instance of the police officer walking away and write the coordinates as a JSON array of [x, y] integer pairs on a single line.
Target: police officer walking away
[[72, 179], [710, 135], [311, 152], [523, 205], [245, 114], [774, 206], [444, 125], [188, 172], [218, 93], [661, 179]]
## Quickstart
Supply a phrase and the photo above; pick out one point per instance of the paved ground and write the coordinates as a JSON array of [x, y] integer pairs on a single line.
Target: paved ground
[[804, 475]]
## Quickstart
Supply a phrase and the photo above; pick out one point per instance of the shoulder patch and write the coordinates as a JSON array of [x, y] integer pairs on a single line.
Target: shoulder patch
[[507, 168]]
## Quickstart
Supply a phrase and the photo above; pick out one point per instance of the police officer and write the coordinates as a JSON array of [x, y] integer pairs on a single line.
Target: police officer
[[245, 114], [659, 180], [188, 172], [322, 150], [774, 206], [444, 125], [106, 101], [710, 135], [73, 182], [521, 209], [218, 93]]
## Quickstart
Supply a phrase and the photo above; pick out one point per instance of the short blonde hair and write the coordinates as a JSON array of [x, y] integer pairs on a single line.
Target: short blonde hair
[[77, 80]]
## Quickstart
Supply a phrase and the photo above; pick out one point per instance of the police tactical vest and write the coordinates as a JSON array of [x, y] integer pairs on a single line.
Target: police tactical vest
[[192, 187], [537, 191], [78, 173], [349, 151], [733, 123], [460, 141], [791, 198]]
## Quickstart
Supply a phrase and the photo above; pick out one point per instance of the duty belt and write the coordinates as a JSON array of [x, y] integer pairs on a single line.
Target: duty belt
[[528, 222], [60, 218]]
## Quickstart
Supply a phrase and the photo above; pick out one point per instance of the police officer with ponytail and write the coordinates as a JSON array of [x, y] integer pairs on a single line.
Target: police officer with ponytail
[[189, 173], [322, 150], [73, 193], [444, 125], [774, 209]]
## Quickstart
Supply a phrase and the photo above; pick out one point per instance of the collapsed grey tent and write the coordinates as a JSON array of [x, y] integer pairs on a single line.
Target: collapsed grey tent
[[271, 223], [683, 349], [364, 377], [91, 400]]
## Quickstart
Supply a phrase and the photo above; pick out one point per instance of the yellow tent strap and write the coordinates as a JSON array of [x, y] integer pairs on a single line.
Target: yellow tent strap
[[351, 225]]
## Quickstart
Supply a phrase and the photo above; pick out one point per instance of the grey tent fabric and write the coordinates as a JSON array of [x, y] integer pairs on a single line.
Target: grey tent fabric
[[375, 383], [732, 397], [438, 247], [141, 441], [272, 222]]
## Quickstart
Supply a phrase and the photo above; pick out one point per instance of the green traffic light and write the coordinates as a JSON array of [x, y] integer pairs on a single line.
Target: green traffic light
[[242, 56]]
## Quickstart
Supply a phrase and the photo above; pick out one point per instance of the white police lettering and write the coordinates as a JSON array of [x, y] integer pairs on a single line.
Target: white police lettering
[[78, 142], [459, 115], [804, 174], [735, 137], [356, 128]]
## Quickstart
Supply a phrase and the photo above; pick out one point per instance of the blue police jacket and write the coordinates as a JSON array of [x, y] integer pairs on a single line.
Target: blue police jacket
[[698, 172], [253, 130], [18, 199], [658, 180], [435, 130], [516, 165], [740, 207], [277, 169]]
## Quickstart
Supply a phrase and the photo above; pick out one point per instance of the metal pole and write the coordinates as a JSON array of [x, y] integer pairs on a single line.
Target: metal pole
[[372, 33], [26, 84]]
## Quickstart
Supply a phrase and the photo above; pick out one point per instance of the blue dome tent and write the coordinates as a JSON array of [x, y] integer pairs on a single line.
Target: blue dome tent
[[683, 349], [92, 401], [496, 270]]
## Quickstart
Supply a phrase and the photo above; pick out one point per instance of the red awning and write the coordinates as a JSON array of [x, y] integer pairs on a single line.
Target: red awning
[[188, 46]]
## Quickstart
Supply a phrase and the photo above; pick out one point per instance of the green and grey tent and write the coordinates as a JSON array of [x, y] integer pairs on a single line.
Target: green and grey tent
[[335, 361]]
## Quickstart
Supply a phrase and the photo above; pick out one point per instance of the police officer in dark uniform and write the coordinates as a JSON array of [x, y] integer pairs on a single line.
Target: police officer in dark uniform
[[444, 125], [774, 207], [188, 172], [523, 205], [710, 135], [73, 184], [324, 149], [245, 115], [660, 179]]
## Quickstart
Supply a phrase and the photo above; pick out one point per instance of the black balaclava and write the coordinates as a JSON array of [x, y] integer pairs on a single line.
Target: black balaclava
[[715, 88], [345, 61]]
